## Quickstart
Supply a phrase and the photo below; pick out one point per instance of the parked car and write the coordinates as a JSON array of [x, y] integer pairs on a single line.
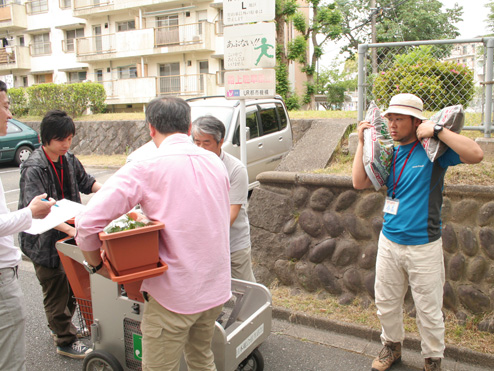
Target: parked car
[[19, 142], [269, 132]]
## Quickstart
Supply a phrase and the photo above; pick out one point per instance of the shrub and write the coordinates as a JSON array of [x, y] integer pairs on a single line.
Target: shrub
[[75, 98], [438, 84], [18, 101]]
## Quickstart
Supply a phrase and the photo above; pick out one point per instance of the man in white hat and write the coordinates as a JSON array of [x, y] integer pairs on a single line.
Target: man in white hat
[[410, 244]]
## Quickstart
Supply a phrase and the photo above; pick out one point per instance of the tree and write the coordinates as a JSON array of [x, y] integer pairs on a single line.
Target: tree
[[404, 20], [325, 20], [334, 82], [285, 9], [490, 16]]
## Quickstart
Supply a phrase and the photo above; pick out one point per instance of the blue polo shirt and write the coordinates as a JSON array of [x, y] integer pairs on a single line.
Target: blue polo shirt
[[420, 194]]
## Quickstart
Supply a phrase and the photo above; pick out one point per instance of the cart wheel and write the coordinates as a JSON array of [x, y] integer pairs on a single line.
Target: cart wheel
[[254, 362], [99, 360]]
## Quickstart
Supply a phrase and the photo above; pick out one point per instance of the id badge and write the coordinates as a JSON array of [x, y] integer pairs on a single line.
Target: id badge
[[391, 205]]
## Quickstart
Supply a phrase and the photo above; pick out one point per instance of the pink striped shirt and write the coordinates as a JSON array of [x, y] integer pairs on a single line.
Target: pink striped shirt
[[186, 188]]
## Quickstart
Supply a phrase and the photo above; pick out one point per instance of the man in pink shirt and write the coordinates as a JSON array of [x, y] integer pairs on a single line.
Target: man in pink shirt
[[186, 188]]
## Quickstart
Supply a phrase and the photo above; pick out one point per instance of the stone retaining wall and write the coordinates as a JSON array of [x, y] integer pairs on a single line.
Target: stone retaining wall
[[106, 137], [317, 232], [117, 137]]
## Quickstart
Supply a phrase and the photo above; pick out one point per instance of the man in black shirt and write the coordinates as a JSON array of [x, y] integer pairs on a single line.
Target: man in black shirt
[[51, 169]]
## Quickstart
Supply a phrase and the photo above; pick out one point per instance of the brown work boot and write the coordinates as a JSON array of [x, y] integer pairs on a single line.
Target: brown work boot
[[389, 355], [432, 364]]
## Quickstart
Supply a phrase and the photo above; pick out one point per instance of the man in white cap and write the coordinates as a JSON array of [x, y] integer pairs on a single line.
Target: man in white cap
[[410, 244]]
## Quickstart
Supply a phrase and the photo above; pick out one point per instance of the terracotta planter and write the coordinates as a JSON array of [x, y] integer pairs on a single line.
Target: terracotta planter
[[134, 250]]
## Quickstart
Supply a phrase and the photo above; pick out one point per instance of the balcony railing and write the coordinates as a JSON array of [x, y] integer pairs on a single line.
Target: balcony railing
[[95, 45], [200, 84], [145, 41], [194, 33], [84, 4], [13, 16], [14, 58]]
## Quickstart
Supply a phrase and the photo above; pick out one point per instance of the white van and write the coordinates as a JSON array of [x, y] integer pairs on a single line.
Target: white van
[[269, 133]]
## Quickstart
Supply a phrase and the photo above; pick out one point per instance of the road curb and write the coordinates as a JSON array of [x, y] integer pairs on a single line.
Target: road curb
[[411, 342]]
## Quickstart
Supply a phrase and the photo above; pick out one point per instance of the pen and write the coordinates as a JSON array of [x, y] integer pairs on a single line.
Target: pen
[[44, 199]]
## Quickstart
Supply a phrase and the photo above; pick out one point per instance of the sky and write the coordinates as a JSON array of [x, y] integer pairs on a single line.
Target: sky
[[473, 25], [474, 14]]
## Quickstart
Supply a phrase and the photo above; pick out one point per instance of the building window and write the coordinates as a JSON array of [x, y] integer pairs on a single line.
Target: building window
[[70, 37], [41, 44], [220, 24], [24, 81], [21, 40], [39, 6], [65, 4], [78, 76], [42, 79], [126, 26], [128, 72], [99, 75], [465, 49]]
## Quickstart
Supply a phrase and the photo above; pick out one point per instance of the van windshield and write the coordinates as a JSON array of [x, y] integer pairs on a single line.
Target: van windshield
[[224, 114]]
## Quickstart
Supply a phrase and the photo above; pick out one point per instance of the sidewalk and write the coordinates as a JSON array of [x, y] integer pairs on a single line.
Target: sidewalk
[[365, 342]]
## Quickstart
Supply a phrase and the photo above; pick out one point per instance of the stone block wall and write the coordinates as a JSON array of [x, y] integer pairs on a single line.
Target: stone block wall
[[317, 232], [106, 137], [117, 137]]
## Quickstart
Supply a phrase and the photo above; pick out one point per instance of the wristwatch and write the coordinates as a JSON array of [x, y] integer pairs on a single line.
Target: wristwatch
[[437, 129], [92, 269]]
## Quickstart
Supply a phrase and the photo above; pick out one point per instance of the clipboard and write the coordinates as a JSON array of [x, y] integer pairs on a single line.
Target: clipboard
[[62, 211]]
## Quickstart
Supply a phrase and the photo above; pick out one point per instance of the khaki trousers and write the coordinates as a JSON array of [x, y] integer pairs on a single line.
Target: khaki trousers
[[421, 267], [242, 265], [166, 335]]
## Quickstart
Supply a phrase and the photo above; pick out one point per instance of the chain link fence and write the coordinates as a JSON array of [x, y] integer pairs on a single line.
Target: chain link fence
[[441, 72]]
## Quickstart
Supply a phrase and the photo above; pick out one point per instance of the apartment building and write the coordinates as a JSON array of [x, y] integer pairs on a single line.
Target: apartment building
[[137, 49], [469, 54]]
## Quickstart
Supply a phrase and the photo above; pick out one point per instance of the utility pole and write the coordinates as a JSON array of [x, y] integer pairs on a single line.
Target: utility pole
[[373, 35]]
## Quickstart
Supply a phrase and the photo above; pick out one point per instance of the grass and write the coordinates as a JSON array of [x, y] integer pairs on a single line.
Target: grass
[[322, 305]]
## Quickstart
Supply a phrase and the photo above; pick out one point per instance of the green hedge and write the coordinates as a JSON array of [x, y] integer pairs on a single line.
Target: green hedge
[[18, 101], [75, 99], [438, 84]]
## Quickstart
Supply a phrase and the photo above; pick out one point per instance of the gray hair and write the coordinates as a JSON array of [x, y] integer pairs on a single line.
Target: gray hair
[[169, 115], [209, 125]]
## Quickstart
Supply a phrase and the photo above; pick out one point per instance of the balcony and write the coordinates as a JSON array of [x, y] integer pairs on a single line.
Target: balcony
[[13, 17], [146, 42], [95, 8], [14, 59], [128, 91], [187, 85], [144, 89]]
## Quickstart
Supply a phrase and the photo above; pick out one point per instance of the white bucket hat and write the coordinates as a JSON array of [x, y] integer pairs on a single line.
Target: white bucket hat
[[406, 104]]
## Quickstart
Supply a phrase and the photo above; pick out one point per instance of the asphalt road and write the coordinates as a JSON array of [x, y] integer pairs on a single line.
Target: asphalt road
[[289, 347]]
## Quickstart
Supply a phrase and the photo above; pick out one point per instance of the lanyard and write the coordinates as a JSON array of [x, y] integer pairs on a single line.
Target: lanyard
[[394, 163], [59, 178]]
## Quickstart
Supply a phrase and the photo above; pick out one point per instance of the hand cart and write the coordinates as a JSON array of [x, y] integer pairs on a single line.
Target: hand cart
[[112, 312]]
